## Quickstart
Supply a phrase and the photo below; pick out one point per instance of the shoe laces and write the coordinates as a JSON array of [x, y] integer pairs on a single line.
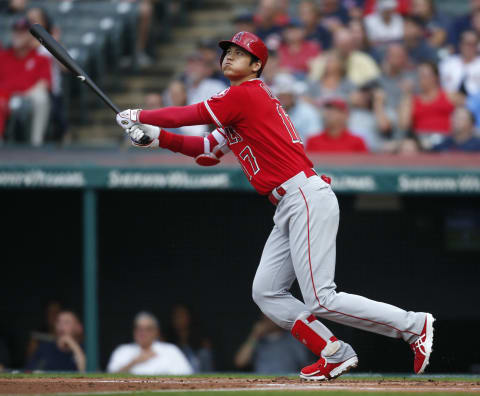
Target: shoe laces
[[419, 345]]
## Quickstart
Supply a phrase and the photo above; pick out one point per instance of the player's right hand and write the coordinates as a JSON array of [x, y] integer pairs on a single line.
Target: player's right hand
[[128, 118], [144, 135]]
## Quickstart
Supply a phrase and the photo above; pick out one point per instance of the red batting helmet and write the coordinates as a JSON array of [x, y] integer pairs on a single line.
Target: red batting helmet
[[250, 43]]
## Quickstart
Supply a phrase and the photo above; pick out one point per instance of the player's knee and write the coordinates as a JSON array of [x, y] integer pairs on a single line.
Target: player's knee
[[323, 298], [258, 295]]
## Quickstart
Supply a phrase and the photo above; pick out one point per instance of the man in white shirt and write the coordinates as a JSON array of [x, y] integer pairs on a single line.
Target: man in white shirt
[[385, 25], [146, 355], [461, 72]]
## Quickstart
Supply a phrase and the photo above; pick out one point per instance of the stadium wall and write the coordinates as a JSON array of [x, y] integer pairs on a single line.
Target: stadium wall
[[157, 248]]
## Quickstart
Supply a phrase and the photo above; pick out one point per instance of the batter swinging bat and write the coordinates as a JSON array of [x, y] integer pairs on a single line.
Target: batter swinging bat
[[65, 59]]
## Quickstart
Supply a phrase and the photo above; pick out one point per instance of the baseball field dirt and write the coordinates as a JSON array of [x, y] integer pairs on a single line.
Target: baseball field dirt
[[275, 386]]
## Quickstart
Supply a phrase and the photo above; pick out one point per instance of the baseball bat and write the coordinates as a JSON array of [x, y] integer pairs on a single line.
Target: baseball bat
[[54, 47]]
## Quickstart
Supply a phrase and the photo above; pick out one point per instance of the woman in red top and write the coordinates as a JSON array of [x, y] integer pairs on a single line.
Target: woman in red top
[[428, 112]]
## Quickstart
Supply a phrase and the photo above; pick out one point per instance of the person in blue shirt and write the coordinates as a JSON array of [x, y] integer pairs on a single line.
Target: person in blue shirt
[[462, 138], [65, 353]]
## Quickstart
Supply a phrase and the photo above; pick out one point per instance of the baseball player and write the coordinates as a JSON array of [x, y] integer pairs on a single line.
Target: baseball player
[[253, 125]]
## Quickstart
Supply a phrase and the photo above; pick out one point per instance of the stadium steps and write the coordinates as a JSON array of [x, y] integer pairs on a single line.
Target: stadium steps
[[129, 89]]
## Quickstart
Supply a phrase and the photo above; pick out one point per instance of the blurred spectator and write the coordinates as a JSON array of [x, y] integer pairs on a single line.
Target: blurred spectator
[[475, 25], [270, 18], [65, 353], [13, 7], [409, 145], [208, 50], [146, 355], [415, 42], [361, 41], [271, 350], [336, 138], [360, 67], [26, 74], [303, 115], [4, 355], [185, 333], [272, 68], [200, 85], [145, 17], [369, 6], [385, 25], [463, 23], [398, 76], [333, 81], [362, 120], [40, 16], [461, 72], [244, 22], [47, 331], [473, 104], [463, 130], [310, 17], [176, 95], [428, 112], [296, 52], [436, 24], [153, 101], [334, 15]]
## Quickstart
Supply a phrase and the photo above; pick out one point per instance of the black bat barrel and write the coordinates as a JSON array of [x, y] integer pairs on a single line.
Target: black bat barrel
[[65, 59]]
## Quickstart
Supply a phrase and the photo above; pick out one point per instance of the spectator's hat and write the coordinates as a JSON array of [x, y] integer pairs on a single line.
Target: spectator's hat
[[21, 24], [383, 5], [336, 103]]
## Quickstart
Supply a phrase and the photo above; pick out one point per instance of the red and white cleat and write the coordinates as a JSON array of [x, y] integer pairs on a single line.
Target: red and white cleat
[[422, 347], [322, 370]]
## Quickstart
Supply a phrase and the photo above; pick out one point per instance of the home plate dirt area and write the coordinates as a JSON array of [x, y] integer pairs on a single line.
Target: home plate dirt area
[[52, 385]]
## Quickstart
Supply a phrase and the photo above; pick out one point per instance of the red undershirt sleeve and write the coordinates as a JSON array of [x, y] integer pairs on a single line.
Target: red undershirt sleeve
[[191, 146], [175, 117]]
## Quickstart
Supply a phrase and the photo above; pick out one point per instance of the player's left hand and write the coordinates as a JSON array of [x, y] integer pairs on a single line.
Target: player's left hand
[[144, 135], [128, 118]]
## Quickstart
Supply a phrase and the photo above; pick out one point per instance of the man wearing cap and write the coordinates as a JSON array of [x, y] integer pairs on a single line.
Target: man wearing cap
[[385, 25], [336, 137], [304, 115], [252, 123], [25, 73]]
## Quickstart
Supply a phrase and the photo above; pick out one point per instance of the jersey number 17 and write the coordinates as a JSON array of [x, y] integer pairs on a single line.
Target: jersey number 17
[[284, 116]]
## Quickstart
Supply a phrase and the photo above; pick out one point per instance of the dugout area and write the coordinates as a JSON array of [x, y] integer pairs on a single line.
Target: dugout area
[[161, 246]]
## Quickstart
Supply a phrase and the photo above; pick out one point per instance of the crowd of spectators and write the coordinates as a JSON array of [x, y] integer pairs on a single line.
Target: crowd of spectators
[[395, 71], [31, 79], [178, 348], [58, 345], [383, 76]]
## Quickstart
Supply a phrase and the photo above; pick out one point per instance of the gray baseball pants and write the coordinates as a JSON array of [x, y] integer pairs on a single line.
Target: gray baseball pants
[[302, 246]]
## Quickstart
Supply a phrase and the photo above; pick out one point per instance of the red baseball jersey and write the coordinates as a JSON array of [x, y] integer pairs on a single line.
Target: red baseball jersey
[[259, 133], [21, 74]]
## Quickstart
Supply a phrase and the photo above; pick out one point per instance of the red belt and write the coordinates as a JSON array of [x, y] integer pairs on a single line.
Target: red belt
[[281, 191]]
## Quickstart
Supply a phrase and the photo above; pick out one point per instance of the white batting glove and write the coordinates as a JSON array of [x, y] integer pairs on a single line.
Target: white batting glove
[[128, 118], [144, 135]]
